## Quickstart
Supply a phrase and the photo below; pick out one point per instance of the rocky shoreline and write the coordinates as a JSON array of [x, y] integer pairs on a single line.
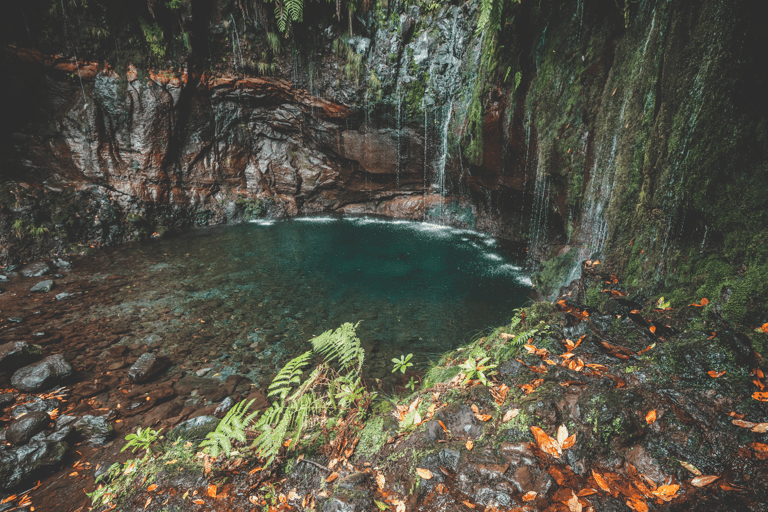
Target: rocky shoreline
[[640, 389]]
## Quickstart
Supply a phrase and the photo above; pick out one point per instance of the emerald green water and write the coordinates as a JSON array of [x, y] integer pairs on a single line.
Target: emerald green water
[[260, 291]]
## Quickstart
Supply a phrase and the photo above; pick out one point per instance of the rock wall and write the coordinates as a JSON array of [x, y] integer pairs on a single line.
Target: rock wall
[[635, 131]]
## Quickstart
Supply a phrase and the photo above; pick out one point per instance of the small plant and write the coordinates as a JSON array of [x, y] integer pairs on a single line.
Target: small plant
[[476, 368], [141, 440], [402, 364], [411, 384]]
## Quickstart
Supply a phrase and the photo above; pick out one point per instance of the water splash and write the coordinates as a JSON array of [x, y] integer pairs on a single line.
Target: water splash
[[539, 215]]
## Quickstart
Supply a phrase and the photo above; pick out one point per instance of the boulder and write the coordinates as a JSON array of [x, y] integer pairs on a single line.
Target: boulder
[[195, 428], [42, 375], [43, 286], [39, 405], [21, 464], [95, 430], [21, 430], [36, 269], [145, 367], [17, 354]]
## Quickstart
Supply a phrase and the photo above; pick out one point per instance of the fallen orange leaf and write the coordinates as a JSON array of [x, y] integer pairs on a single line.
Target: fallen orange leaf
[[546, 443], [380, 481], [198, 501], [212, 491], [469, 445], [638, 505], [483, 417], [529, 496], [744, 424], [652, 328], [763, 397], [424, 473], [587, 492], [573, 504], [759, 447], [760, 428], [758, 372], [712, 336], [149, 500], [510, 414], [701, 481], [468, 504], [443, 425], [650, 417], [666, 492], [569, 442], [764, 328], [333, 476], [714, 374], [152, 487], [600, 481]]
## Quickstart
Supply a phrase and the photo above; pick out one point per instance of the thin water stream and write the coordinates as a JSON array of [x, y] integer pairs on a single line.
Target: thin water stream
[[258, 292]]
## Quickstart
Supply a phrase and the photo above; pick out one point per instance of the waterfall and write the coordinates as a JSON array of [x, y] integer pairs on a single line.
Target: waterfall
[[539, 215], [445, 112]]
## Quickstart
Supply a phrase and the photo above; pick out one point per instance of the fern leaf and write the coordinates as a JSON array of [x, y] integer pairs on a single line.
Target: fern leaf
[[290, 374], [340, 345], [518, 79]]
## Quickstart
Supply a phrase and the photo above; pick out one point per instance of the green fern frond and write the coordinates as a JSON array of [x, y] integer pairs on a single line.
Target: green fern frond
[[340, 345], [296, 9], [289, 375], [232, 426]]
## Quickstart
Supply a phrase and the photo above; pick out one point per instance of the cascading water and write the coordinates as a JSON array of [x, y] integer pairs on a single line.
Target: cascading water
[[539, 215]]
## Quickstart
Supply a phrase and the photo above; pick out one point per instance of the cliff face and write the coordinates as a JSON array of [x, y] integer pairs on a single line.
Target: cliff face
[[636, 132]]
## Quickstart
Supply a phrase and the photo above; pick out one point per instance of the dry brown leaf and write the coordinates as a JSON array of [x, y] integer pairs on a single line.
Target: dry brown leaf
[[759, 447], [475, 409], [690, 467], [468, 504], [444, 427], [483, 417], [650, 417], [760, 428], [152, 487], [562, 434], [744, 424], [381, 481], [529, 496], [333, 476], [600, 481], [701, 481], [573, 504], [714, 374], [729, 487], [212, 491], [198, 501], [653, 328], [414, 404], [207, 464], [424, 473], [546, 443], [506, 336], [510, 414], [469, 445], [587, 492], [763, 397]]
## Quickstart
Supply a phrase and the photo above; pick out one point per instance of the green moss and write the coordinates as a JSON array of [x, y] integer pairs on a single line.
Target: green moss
[[372, 437]]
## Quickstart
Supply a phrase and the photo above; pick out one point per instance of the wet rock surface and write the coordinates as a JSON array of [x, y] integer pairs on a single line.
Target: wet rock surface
[[42, 375], [22, 429]]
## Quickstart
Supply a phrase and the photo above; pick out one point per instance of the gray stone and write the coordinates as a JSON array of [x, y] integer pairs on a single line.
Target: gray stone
[[21, 464], [145, 367], [195, 428], [36, 269], [96, 430], [62, 263], [7, 398], [223, 407], [43, 286], [15, 319], [65, 295], [22, 429], [42, 375], [17, 354]]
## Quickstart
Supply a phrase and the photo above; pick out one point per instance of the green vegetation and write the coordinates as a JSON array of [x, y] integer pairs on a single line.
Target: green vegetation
[[402, 363]]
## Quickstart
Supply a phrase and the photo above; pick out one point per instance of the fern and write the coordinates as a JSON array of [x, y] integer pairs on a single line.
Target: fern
[[232, 426], [290, 374], [518, 79], [340, 345]]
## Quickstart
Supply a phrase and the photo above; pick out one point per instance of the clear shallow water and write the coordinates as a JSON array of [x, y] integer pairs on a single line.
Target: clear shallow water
[[263, 289]]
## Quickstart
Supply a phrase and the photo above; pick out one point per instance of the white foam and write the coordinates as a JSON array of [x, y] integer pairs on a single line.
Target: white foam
[[493, 257], [262, 222], [319, 220]]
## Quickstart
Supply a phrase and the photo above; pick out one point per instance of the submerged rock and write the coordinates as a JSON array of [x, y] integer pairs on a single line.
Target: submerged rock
[[145, 367], [43, 286], [36, 269], [195, 428], [42, 375]]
